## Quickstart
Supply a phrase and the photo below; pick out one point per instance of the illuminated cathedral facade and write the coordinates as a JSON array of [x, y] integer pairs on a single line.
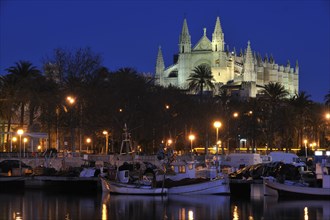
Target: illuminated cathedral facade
[[243, 74]]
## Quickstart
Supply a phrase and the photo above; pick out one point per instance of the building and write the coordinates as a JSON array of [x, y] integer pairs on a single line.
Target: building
[[243, 74]]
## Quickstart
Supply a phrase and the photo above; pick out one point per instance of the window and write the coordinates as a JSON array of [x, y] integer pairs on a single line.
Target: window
[[182, 169]]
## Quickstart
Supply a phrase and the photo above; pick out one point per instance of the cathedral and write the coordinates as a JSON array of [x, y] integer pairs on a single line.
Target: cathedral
[[244, 74]]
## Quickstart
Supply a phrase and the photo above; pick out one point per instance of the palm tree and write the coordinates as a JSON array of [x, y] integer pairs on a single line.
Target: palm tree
[[301, 104], [25, 75], [201, 78], [275, 92], [8, 106], [274, 95]]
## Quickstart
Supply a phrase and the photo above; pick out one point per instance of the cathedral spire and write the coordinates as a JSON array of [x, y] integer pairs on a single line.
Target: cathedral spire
[[249, 74], [160, 66], [297, 67], [218, 37], [184, 40]]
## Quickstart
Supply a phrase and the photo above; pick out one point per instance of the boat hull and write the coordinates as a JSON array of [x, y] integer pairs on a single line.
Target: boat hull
[[217, 186], [272, 187], [130, 189]]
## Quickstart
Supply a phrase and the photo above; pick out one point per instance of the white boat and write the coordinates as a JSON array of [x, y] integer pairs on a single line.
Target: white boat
[[291, 189], [203, 187], [130, 189]]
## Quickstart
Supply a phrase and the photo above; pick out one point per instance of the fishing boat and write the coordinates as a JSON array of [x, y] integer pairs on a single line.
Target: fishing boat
[[292, 189], [183, 180]]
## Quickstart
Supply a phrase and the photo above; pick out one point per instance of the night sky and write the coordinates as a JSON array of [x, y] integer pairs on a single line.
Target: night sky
[[128, 33]]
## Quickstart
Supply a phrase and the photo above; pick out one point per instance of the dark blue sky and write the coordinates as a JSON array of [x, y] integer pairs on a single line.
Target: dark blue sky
[[128, 33]]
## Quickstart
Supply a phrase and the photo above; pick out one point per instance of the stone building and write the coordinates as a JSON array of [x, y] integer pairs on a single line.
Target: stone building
[[243, 74]]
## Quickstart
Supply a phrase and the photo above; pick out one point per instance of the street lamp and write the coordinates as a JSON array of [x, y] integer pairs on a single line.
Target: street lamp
[[14, 139], [88, 141], [169, 142], [305, 142], [327, 116], [20, 133], [71, 100], [191, 138], [24, 141], [106, 141], [217, 125]]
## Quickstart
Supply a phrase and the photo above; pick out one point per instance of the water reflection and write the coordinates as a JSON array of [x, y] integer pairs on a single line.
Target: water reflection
[[48, 205], [302, 209]]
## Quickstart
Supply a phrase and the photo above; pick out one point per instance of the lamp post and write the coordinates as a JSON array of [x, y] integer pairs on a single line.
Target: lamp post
[[24, 141], [13, 139], [191, 138], [217, 125], [88, 141], [305, 142], [71, 100], [106, 141], [20, 133]]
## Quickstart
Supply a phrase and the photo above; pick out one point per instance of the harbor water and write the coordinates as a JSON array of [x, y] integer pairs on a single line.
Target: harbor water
[[37, 204]]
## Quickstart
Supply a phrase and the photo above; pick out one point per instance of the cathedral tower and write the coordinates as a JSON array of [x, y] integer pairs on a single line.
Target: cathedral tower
[[160, 67], [184, 39], [218, 41], [249, 72]]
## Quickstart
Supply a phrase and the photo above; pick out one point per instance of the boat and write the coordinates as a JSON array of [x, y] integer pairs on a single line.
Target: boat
[[293, 189], [183, 179], [117, 187]]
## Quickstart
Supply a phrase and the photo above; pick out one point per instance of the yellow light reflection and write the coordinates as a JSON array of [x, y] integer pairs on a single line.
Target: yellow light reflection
[[182, 214], [251, 217], [17, 216], [190, 215], [305, 213], [235, 213], [104, 212]]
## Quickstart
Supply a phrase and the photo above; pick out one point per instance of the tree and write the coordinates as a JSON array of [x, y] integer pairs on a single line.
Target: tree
[[301, 104], [26, 77], [273, 97], [201, 78]]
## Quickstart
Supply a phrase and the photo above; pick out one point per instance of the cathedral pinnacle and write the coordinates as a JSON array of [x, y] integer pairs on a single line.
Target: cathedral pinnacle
[[184, 40], [218, 37], [160, 66]]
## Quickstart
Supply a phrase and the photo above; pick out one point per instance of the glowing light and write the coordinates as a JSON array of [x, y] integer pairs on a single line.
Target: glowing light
[[318, 153], [71, 100], [191, 137], [235, 213], [190, 215], [327, 116], [217, 124], [20, 131], [14, 139], [305, 213], [104, 212]]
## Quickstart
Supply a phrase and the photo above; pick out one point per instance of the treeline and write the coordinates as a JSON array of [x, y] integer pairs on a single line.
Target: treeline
[[36, 100]]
